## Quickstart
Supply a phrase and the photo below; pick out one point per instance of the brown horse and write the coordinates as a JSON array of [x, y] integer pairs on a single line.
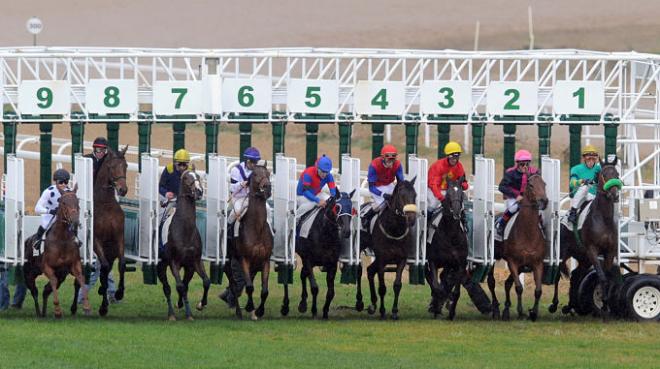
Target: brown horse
[[598, 236], [109, 221], [183, 248], [254, 244], [524, 249], [61, 257]]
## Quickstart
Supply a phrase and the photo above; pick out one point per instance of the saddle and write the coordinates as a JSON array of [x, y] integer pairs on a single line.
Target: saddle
[[368, 222], [165, 228], [583, 211], [509, 226], [305, 221]]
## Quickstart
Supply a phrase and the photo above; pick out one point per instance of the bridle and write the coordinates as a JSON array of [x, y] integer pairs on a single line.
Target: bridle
[[534, 203], [262, 185]]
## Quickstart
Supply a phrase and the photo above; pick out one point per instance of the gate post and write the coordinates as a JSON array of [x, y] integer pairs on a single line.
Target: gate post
[[279, 130], [144, 137], [443, 138], [545, 131], [478, 131], [412, 132], [211, 130], [178, 136], [575, 140], [245, 133], [377, 139], [509, 144], [345, 130], [9, 130], [113, 135], [46, 155], [77, 136], [311, 143], [610, 138]]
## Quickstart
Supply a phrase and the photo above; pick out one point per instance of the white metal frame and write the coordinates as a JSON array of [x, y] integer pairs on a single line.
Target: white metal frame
[[350, 181], [84, 179], [418, 168]]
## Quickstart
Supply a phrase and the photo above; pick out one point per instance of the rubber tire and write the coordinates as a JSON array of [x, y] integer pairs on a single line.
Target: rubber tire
[[585, 299], [643, 280], [618, 304]]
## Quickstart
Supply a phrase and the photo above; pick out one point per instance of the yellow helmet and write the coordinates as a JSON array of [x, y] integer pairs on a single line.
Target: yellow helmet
[[182, 155], [452, 147], [589, 149]]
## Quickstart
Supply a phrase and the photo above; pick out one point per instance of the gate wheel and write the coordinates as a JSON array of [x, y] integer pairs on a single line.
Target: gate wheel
[[643, 298]]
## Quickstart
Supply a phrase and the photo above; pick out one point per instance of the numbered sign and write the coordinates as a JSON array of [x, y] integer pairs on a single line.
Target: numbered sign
[[44, 97], [241, 95], [212, 94], [111, 96], [313, 96], [512, 98], [578, 97], [380, 98], [177, 97], [446, 97]]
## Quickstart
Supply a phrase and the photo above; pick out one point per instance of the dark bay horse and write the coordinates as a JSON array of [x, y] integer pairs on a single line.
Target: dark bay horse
[[524, 250], [322, 248], [390, 241], [109, 221], [254, 244], [183, 248], [598, 236], [61, 257]]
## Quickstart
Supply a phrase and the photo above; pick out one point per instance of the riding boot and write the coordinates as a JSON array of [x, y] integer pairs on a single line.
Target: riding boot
[[37, 239], [572, 216], [501, 224], [366, 219]]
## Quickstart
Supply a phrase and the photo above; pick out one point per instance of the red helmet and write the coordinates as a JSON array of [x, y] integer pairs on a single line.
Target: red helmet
[[388, 150]]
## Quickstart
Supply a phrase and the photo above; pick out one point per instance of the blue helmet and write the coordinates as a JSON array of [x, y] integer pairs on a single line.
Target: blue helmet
[[324, 163], [251, 153]]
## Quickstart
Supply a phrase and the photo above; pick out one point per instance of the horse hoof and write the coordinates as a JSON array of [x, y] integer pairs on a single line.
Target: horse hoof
[[383, 317], [172, 318], [179, 304], [58, 314], [552, 308], [190, 318], [260, 312], [253, 316], [119, 295], [314, 312], [566, 309], [395, 316], [505, 315], [359, 306], [199, 306], [451, 316], [533, 315], [103, 310], [285, 310], [302, 307], [371, 309], [325, 315]]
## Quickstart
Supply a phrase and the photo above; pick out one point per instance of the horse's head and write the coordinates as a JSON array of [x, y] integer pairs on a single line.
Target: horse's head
[[403, 200], [259, 182], [191, 185], [344, 212], [69, 208], [608, 180], [113, 171], [535, 192], [454, 198]]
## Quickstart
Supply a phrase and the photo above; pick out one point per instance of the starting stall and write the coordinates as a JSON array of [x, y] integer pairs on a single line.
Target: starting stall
[[11, 251], [284, 218], [418, 169], [217, 210], [350, 252], [482, 248], [84, 179], [551, 172]]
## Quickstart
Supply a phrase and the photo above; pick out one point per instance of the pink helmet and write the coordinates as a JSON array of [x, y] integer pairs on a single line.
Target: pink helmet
[[523, 155]]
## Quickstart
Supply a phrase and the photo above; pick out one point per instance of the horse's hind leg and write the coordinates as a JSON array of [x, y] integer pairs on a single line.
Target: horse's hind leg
[[538, 283], [371, 272], [265, 271], [77, 273], [555, 298], [30, 283], [494, 302], [285, 300], [432, 279], [119, 294], [106, 267], [314, 288], [249, 285], [600, 271], [187, 277], [359, 304], [397, 289], [507, 303], [161, 268], [302, 306], [330, 281], [199, 268]]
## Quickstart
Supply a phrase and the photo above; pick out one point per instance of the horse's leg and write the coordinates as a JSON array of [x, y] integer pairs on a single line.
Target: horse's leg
[[494, 302], [397, 289], [302, 306], [119, 293], [76, 290], [284, 310], [330, 281], [593, 258], [199, 268], [555, 298], [249, 285], [359, 304], [538, 283], [50, 288], [513, 267], [30, 283], [313, 286], [106, 267], [432, 279], [233, 286], [265, 271], [507, 304], [188, 273], [161, 269], [371, 272], [77, 272], [456, 293], [175, 268]]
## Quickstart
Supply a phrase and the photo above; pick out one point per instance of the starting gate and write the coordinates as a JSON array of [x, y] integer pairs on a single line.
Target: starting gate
[[482, 248], [84, 179], [551, 172], [217, 207], [147, 247], [418, 169], [350, 251], [12, 251], [284, 214]]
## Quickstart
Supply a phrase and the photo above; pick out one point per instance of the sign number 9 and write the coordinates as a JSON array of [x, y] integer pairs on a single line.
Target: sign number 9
[[45, 97]]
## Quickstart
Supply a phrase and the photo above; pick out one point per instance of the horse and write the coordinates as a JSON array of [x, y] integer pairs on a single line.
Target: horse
[[254, 244], [322, 248], [61, 256], [598, 236], [184, 246], [524, 249], [109, 221], [390, 241]]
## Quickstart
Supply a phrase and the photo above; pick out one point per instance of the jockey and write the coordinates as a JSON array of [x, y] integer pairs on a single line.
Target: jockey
[[311, 182], [442, 171], [100, 150], [513, 185], [170, 179], [239, 182], [583, 178], [50, 201], [381, 174]]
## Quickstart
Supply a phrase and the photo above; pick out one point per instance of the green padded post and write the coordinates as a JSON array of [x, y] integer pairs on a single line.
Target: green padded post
[[478, 131], [279, 130], [545, 131], [178, 136], [113, 135], [509, 145], [9, 130], [345, 130], [77, 136], [311, 143], [377, 139], [46, 155], [412, 133], [245, 132], [211, 130], [575, 144], [144, 140], [443, 138], [610, 138]]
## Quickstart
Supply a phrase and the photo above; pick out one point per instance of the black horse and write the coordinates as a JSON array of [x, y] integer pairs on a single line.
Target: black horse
[[183, 248], [390, 241], [322, 249]]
